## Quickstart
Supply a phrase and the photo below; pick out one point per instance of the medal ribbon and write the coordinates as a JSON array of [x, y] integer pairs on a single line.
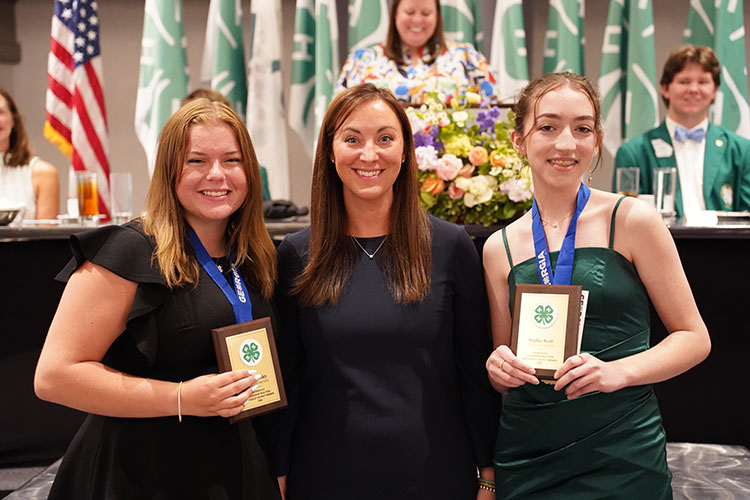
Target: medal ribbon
[[563, 271], [243, 308]]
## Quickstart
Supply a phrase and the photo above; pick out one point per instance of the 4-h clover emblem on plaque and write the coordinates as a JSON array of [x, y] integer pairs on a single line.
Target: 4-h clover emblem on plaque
[[251, 352], [545, 315]]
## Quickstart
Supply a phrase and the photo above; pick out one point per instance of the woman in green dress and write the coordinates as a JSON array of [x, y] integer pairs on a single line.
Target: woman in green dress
[[595, 432]]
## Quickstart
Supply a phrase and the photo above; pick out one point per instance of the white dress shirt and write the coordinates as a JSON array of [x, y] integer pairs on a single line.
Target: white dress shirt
[[689, 156]]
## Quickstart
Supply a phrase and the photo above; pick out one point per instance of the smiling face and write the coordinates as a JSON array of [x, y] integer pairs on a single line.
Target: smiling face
[[368, 149], [690, 93], [416, 21], [212, 184], [6, 124], [560, 139]]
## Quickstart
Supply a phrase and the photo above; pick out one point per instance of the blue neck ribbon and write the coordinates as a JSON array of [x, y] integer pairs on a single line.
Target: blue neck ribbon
[[240, 300], [562, 273]]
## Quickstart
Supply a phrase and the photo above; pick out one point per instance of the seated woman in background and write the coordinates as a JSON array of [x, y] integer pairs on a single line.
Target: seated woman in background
[[25, 180], [416, 59], [142, 361]]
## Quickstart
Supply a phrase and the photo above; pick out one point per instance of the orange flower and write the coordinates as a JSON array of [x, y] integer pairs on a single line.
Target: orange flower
[[478, 155], [497, 160], [466, 171], [433, 185]]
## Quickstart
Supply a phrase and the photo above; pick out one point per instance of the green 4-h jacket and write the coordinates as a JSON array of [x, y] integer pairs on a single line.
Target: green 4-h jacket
[[726, 166]]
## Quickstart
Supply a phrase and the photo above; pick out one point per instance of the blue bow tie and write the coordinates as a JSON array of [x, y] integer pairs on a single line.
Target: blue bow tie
[[681, 134]]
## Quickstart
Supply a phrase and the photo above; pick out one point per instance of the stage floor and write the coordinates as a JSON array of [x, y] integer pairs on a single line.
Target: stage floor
[[700, 471]]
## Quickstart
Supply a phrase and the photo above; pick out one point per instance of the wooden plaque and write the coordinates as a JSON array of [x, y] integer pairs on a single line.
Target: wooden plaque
[[545, 329], [251, 346]]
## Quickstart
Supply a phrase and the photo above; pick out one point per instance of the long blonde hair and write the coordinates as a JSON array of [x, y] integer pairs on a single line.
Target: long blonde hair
[[407, 256], [246, 232]]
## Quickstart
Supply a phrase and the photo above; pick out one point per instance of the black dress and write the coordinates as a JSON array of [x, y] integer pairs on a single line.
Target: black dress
[[387, 401], [167, 337]]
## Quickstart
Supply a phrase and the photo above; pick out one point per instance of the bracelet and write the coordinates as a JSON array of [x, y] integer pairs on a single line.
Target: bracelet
[[179, 402], [486, 484]]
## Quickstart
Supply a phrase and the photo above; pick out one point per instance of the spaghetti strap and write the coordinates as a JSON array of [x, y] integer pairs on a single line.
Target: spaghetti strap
[[612, 222], [507, 249]]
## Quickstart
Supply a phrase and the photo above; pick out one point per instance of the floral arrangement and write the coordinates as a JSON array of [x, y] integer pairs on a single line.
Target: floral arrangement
[[469, 172]]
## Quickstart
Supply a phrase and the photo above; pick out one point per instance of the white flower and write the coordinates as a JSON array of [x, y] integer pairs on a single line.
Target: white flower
[[479, 189], [518, 190], [460, 117], [426, 157]]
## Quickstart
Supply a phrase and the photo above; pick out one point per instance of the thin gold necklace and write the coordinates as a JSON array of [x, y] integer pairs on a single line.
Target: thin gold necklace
[[370, 255], [556, 225]]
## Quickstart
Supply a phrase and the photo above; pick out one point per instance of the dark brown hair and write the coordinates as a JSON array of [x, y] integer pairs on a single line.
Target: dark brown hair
[[164, 220], [435, 45], [687, 54], [19, 150], [406, 254], [528, 99]]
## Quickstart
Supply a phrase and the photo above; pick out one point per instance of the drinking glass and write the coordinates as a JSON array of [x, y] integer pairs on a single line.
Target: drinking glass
[[121, 196], [665, 180], [88, 201], [627, 181]]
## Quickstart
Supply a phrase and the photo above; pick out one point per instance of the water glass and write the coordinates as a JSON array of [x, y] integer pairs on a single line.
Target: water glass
[[121, 196], [665, 181]]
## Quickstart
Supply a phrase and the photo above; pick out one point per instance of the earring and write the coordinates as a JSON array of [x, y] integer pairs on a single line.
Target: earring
[[591, 175]]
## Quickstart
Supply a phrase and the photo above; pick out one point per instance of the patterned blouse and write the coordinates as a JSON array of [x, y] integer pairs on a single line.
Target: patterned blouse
[[458, 69]]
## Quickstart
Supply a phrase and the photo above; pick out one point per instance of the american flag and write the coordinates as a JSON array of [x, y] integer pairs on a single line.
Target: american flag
[[76, 118]]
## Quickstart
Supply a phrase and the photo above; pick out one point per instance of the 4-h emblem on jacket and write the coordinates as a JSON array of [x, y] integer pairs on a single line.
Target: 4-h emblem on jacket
[[545, 315], [251, 352]]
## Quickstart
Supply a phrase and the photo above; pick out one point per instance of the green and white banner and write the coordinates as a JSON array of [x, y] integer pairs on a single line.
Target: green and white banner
[[719, 24], [265, 96], [368, 23], [315, 67], [223, 67], [462, 21], [564, 41], [163, 76], [627, 80], [508, 55]]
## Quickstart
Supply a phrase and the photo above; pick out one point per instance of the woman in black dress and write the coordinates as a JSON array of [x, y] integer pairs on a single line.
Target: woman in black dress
[[383, 332], [131, 343]]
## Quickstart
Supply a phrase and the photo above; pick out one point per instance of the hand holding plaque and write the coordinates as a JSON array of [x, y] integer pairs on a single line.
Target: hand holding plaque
[[545, 331], [250, 345]]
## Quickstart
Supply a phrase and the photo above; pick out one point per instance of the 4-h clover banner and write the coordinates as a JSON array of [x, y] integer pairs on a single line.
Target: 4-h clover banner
[[627, 80], [462, 21], [720, 25], [315, 67], [368, 23], [223, 67], [163, 76], [564, 40], [266, 119], [508, 54]]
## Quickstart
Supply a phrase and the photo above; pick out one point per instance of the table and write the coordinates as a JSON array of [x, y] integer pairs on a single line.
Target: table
[[705, 405]]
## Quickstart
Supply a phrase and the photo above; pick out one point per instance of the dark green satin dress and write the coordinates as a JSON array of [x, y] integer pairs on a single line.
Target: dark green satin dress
[[598, 445]]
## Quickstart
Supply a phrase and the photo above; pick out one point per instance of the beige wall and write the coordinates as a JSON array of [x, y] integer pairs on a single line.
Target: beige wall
[[121, 28]]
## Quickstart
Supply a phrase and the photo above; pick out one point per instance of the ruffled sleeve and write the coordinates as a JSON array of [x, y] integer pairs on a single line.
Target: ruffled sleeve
[[126, 251]]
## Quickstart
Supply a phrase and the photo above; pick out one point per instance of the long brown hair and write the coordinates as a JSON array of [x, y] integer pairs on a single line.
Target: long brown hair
[[164, 220], [19, 150], [395, 51], [529, 97], [406, 254]]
